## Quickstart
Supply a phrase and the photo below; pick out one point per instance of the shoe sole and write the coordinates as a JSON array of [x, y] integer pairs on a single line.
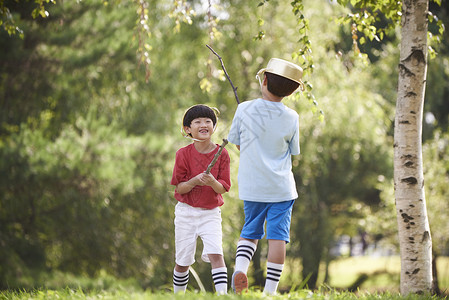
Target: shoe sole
[[240, 283]]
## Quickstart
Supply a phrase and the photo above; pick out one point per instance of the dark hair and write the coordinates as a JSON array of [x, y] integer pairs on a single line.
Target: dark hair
[[198, 111], [280, 86]]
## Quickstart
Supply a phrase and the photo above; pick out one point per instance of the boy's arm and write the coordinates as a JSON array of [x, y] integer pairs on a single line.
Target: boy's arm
[[187, 186], [222, 183], [209, 179], [201, 179]]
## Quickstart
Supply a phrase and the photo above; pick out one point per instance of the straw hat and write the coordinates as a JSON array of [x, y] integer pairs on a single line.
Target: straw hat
[[285, 69]]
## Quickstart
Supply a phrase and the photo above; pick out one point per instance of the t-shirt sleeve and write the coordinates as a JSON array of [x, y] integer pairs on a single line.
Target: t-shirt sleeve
[[234, 132], [294, 142], [224, 173], [180, 169]]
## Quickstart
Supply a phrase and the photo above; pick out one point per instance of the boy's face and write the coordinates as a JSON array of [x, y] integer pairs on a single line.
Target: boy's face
[[200, 128]]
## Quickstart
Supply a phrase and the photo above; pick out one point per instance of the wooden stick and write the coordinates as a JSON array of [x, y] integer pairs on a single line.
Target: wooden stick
[[226, 73], [212, 163], [234, 89]]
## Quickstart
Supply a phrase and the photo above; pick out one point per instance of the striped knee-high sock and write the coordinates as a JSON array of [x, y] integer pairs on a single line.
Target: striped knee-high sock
[[220, 278], [180, 281], [244, 254], [274, 272]]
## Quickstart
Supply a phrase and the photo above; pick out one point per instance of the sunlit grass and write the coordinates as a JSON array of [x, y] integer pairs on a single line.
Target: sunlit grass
[[384, 272]]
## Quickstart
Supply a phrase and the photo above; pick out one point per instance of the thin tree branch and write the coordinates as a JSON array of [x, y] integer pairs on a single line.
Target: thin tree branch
[[226, 73]]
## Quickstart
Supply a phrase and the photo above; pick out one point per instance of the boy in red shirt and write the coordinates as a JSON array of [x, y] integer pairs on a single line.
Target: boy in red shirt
[[199, 196]]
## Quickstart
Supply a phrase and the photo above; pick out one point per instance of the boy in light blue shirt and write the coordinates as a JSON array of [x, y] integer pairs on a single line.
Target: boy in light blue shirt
[[267, 134]]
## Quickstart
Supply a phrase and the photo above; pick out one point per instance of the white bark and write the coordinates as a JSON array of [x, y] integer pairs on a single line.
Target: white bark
[[413, 226]]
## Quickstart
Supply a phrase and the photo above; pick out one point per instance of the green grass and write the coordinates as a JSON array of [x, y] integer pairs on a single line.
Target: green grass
[[302, 294], [383, 283]]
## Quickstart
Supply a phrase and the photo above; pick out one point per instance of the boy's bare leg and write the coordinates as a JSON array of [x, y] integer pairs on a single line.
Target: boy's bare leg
[[219, 273], [276, 251], [181, 269], [180, 278], [275, 264], [216, 261]]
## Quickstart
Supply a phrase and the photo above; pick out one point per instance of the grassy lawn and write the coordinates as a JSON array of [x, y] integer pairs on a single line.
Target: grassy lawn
[[302, 294], [382, 283]]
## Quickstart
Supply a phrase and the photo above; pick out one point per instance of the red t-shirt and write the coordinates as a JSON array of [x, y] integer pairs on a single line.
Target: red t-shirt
[[189, 163]]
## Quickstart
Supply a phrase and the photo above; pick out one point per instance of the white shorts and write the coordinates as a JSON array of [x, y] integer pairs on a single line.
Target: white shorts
[[191, 223]]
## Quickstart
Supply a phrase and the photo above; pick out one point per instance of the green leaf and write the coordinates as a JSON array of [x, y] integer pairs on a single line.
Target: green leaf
[[43, 13], [309, 86], [35, 13]]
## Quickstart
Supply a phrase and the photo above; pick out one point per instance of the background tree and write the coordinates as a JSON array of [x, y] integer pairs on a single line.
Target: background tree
[[81, 185], [413, 225], [414, 232]]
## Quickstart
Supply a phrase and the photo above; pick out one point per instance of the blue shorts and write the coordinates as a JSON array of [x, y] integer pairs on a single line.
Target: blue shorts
[[277, 215]]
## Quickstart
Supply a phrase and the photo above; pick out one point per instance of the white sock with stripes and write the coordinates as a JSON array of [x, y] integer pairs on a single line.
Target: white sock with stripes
[[180, 281], [273, 275], [220, 278], [243, 256]]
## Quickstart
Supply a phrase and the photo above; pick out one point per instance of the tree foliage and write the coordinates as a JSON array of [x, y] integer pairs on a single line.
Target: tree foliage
[[79, 203]]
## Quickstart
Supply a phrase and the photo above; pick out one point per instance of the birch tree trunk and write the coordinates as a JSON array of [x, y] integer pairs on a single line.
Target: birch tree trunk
[[413, 226]]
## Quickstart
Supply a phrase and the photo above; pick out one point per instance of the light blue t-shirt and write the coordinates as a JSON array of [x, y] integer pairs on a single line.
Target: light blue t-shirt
[[268, 135]]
